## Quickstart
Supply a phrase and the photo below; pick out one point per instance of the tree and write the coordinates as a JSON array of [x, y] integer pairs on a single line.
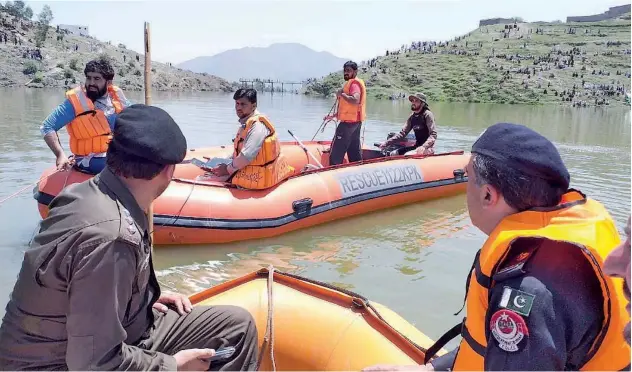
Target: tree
[[18, 9], [45, 17], [28, 13]]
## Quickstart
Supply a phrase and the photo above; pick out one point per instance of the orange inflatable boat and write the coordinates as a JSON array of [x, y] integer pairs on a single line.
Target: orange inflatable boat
[[305, 325], [195, 210]]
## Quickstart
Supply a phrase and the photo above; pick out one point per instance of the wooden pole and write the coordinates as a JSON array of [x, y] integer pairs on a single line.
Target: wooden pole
[[150, 213]]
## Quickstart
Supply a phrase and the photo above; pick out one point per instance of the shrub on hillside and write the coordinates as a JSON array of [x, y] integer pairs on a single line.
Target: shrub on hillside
[[30, 68], [38, 77], [74, 64], [60, 65], [68, 73]]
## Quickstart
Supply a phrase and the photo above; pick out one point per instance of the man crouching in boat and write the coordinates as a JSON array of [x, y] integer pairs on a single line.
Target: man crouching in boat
[[89, 113], [87, 297], [257, 162], [422, 123], [537, 295]]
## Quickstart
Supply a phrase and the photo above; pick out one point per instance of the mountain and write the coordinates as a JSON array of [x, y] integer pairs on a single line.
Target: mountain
[[285, 62]]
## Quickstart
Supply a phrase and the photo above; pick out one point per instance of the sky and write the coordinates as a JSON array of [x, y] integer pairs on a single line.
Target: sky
[[354, 29]]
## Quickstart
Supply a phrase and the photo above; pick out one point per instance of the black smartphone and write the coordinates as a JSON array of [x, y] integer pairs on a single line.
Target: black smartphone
[[222, 354]]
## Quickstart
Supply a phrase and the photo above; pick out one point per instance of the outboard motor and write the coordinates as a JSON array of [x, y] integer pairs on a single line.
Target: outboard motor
[[407, 141]]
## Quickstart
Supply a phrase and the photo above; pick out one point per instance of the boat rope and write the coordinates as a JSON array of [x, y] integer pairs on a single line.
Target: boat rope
[[71, 160], [269, 336], [31, 185], [365, 302], [177, 215]]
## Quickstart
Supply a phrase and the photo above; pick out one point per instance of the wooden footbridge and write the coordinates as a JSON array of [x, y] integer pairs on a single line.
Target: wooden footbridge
[[268, 85]]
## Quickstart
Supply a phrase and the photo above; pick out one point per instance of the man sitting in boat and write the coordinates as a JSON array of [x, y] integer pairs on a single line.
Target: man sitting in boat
[[257, 162], [88, 112], [87, 297], [422, 123], [537, 296]]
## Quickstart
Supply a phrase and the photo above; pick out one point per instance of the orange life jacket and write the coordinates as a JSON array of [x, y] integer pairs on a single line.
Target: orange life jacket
[[349, 112], [269, 167], [89, 131], [577, 220]]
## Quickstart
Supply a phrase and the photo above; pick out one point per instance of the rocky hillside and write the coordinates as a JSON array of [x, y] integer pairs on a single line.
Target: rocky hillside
[[62, 58], [578, 64]]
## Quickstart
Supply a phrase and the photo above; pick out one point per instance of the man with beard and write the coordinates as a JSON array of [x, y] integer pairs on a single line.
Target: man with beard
[[89, 112], [351, 113], [87, 297], [422, 122]]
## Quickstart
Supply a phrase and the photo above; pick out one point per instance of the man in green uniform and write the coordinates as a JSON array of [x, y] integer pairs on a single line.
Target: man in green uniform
[[87, 296]]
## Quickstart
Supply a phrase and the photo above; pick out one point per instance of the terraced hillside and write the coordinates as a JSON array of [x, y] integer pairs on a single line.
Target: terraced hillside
[[63, 56], [580, 64]]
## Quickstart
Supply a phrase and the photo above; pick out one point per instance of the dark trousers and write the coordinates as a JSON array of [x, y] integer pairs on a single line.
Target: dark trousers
[[346, 140], [210, 327]]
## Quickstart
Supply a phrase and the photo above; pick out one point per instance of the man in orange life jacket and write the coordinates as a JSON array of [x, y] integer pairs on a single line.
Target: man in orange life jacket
[[617, 265], [351, 113], [536, 297], [257, 162], [422, 122], [88, 113]]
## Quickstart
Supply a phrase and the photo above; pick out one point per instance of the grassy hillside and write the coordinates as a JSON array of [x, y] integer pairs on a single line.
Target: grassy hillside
[[534, 63], [63, 58]]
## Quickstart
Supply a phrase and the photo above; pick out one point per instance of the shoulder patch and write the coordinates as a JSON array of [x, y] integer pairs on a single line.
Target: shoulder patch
[[128, 230], [509, 330], [516, 300], [514, 266]]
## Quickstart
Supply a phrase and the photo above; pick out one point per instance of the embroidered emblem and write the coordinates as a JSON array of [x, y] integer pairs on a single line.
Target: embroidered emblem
[[508, 328], [518, 301]]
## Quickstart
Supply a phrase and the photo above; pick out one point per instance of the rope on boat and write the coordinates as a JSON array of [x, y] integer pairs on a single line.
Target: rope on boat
[[363, 303], [30, 186], [269, 336], [33, 184]]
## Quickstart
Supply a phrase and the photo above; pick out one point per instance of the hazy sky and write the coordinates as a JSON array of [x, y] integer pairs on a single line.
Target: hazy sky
[[347, 28]]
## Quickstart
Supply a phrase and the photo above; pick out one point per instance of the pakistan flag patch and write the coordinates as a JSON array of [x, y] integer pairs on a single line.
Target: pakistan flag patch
[[518, 301]]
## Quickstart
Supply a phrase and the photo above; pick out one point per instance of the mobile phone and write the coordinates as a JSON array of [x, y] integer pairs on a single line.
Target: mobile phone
[[200, 164], [222, 354]]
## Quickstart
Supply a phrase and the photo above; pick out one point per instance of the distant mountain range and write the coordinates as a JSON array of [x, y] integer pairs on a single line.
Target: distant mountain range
[[286, 62]]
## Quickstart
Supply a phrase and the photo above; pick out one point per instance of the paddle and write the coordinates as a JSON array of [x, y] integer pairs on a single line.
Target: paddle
[[305, 149], [325, 121]]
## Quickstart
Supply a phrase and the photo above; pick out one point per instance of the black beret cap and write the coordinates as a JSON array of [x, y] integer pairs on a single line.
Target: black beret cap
[[525, 150], [150, 133]]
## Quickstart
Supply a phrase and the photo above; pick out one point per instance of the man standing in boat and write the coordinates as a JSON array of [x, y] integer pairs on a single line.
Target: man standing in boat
[[89, 113], [351, 113], [422, 123], [87, 297], [537, 295], [257, 162]]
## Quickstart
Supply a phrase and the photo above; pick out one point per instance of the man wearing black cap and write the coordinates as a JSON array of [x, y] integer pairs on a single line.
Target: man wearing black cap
[[422, 123], [87, 296], [537, 297]]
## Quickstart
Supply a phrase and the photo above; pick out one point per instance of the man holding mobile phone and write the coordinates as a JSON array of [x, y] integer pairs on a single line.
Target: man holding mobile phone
[[87, 296]]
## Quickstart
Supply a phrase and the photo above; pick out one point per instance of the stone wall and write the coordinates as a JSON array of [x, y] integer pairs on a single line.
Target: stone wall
[[613, 12], [497, 21]]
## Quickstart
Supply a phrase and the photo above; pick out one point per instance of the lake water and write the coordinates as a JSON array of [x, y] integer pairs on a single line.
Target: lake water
[[413, 259]]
